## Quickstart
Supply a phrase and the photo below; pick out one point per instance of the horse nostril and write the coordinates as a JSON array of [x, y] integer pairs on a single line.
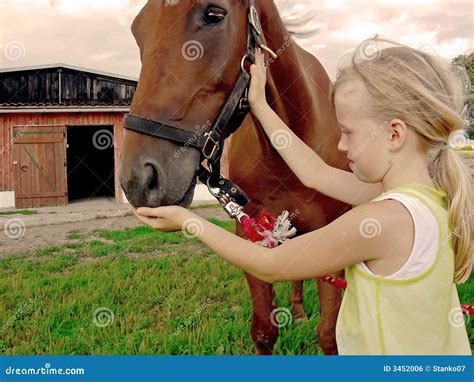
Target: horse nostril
[[153, 176]]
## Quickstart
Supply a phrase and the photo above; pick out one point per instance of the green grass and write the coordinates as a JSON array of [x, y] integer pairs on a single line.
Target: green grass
[[168, 294], [74, 234], [190, 302], [201, 206], [466, 153], [20, 212]]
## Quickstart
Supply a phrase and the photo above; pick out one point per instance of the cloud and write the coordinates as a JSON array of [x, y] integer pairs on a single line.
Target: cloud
[[96, 33]]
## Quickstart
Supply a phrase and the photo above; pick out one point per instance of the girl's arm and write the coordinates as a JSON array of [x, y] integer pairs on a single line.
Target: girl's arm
[[308, 166], [310, 169], [364, 233]]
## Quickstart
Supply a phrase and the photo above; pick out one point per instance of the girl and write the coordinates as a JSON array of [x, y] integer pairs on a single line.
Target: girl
[[409, 240]]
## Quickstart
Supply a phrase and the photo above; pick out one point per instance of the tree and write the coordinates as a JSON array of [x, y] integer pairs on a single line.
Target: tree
[[467, 61]]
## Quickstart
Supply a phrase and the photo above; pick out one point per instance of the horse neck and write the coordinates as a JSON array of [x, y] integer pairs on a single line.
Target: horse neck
[[287, 73]]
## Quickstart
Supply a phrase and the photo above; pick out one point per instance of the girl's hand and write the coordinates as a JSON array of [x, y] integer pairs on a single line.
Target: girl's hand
[[166, 219], [258, 72]]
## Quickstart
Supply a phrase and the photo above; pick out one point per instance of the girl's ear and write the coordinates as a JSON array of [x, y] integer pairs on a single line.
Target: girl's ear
[[397, 134]]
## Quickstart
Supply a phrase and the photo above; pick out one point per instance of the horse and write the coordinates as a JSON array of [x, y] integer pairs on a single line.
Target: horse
[[193, 54]]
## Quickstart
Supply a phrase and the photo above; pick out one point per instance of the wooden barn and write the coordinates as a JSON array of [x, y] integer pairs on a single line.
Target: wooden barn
[[61, 128]]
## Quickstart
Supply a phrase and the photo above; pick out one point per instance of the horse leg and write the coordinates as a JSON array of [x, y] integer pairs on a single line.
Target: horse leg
[[329, 304], [264, 333], [296, 302]]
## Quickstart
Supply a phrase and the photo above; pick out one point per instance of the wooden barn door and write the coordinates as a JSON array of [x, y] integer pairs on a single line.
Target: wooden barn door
[[39, 166]]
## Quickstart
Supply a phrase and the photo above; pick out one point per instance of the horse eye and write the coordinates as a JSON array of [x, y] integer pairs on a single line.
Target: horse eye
[[214, 15]]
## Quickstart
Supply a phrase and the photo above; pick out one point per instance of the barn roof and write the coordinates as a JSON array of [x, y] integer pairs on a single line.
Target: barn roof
[[67, 66], [63, 86]]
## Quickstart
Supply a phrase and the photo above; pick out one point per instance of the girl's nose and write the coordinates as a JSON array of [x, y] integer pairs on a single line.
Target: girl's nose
[[342, 147]]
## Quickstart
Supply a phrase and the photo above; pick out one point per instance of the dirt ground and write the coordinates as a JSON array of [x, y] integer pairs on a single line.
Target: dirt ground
[[41, 231], [51, 225]]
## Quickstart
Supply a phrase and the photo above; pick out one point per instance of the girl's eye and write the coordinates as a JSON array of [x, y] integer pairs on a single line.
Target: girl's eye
[[214, 15]]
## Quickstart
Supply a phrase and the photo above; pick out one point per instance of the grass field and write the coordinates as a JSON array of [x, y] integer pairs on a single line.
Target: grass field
[[466, 154], [115, 294]]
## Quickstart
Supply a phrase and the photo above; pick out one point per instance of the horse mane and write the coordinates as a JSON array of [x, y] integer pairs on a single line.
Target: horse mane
[[300, 22]]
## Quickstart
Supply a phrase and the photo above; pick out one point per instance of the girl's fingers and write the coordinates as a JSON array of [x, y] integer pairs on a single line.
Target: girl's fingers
[[145, 211], [156, 212]]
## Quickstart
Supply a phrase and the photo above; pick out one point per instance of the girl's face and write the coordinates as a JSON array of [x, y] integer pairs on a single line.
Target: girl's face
[[364, 139]]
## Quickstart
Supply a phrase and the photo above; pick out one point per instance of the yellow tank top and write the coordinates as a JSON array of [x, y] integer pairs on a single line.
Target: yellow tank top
[[419, 315]]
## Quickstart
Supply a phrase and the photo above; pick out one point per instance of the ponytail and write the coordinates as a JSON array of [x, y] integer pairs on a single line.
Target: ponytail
[[452, 175]]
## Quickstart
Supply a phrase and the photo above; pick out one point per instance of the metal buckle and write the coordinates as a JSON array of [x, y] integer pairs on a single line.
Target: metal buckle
[[214, 148], [254, 20], [242, 62], [244, 101]]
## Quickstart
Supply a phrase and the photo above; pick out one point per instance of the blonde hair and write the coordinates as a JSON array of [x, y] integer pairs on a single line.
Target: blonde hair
[[428, 94]]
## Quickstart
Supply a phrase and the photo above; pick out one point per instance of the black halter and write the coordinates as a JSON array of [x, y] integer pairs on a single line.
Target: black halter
[[229, 120]]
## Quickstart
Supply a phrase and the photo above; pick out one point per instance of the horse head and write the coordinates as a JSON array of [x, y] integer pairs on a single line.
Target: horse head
[[190, 53]]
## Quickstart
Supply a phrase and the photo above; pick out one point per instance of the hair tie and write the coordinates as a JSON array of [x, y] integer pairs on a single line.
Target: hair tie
[[446, 146]]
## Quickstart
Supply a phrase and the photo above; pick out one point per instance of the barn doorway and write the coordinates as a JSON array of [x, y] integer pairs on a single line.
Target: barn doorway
[[90, 162]]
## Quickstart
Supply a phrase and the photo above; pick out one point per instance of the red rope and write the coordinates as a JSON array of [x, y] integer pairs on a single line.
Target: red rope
[[255, 231], [255, 228]]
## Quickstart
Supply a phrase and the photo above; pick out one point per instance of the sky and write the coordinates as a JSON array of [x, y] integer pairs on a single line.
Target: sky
[[96, 33]]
